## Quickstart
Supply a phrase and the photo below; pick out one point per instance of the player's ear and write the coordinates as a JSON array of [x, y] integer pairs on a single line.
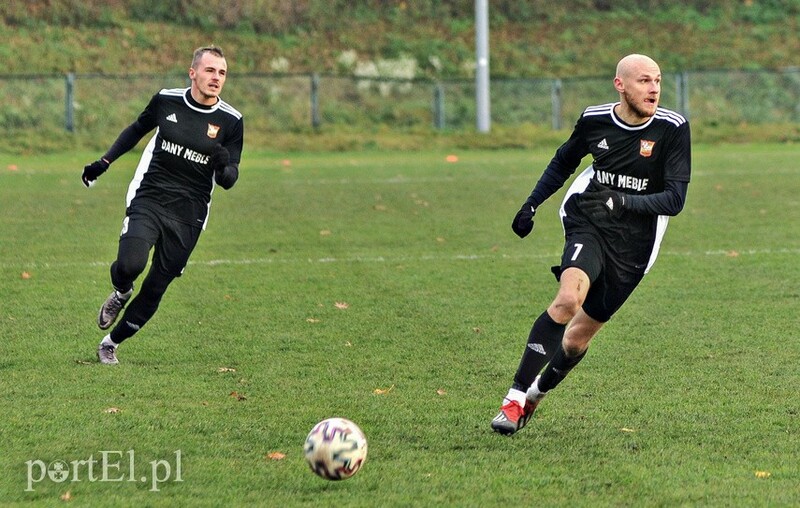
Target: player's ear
[[619, 85]]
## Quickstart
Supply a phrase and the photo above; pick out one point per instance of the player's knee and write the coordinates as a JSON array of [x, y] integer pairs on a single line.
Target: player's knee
[[131, 260], [127, 268], [574, 348], [564, 307]]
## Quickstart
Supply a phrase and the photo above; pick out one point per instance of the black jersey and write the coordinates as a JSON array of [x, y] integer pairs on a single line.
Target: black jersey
[[632, 159], [635, 159], [173, 176]]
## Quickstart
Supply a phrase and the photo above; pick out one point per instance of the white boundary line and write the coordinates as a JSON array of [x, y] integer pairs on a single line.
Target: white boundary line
[[404, 259]]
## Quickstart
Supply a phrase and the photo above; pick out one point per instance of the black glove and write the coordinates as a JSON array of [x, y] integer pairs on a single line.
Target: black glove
[[92, 171], [603, 203], [220, 157], [523, 221]]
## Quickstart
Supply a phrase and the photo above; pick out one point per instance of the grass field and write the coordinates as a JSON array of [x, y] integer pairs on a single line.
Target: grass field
[[389, 289]]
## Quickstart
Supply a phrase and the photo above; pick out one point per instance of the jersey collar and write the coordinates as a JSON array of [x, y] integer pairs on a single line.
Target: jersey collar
[[202, 108], [622, 124]]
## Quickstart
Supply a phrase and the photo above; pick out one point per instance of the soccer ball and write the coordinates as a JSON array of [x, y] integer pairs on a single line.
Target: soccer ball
[[335, 449]]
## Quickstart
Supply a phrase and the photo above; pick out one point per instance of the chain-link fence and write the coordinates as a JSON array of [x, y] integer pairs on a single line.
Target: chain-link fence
[[99, 104]]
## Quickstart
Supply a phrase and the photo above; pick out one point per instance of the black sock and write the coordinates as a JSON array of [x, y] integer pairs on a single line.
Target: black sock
[[558, 368], [543, 342], [123, 330]]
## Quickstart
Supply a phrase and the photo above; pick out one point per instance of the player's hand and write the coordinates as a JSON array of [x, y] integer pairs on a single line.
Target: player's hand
[[523, 221], [220, 157], [603, 202], [92, 171]]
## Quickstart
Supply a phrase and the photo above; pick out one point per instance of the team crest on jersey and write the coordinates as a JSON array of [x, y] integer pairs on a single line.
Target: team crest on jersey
[[212, 130], [646, 147]]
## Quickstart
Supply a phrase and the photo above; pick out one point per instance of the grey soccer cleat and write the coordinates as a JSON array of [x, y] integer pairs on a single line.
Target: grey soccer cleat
[[111, 308], [510, 419], [107, 354], [513, 417]]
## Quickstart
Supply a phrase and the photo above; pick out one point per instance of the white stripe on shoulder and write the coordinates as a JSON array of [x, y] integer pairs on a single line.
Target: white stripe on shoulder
[[671, 116], [224, 106], [602, 109], [175, 92]]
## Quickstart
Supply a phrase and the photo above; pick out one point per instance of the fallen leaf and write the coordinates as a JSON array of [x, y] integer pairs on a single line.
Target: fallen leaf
[[380, 208], [112, 410], [476, 330], [440, 239], [276, 456], [441, 392], [383, 391], [227, 297], [66, 496], [347, 344], [325, 232], [312, 320], [26, 275], [625, 429], [341, 305], [732, 254], [226, 369], [84, 362], [763, 474], [238, 396], [495, 248]]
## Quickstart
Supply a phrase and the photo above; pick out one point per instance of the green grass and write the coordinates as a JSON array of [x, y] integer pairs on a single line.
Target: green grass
[[684, 396]]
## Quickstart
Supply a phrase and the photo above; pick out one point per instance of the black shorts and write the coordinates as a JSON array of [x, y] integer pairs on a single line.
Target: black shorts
[[612, 278], [174, 241]]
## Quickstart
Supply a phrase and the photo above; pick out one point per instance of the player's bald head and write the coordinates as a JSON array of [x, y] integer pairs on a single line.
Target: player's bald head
[[634, 64]]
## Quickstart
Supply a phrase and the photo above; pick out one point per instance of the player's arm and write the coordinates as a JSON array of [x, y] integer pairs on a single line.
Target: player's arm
[[668, 202], [127, 139], [561, 167], [225, 159], [125, 142], [226, 172], [600, 201], [677, 172]]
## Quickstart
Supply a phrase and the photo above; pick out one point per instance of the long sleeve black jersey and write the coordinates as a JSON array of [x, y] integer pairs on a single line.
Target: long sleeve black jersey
[[636, 160], [173, 176], [650, 163]]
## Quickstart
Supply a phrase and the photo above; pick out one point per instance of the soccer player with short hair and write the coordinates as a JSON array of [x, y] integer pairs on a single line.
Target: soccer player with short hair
[[614, 216], [197, 145]]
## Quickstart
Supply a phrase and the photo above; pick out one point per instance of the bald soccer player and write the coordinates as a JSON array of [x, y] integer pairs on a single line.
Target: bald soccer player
[[614, 216]]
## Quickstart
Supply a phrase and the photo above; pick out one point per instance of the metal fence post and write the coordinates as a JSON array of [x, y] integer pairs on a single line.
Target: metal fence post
[[69, 112], [555, 98], [438, 106], [315, 121], [682, 93]]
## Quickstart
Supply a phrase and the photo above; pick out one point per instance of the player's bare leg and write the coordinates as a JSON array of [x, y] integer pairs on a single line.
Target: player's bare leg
[[523, 397]]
